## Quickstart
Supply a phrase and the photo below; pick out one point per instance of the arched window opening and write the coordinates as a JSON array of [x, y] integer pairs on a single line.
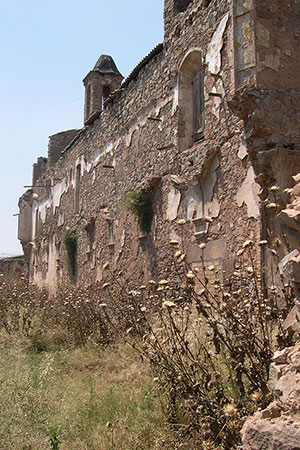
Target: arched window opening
[[191, 99]]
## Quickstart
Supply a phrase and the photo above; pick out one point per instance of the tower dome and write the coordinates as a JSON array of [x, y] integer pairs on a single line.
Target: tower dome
[[106, 64]]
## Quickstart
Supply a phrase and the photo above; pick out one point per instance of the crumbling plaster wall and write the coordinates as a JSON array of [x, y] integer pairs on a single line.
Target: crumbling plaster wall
[[266, 43], [126, 149], [277, 36], [272, 123], [244, 42]]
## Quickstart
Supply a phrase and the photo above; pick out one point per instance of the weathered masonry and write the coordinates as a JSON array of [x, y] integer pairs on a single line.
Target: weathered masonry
[[205, 128]]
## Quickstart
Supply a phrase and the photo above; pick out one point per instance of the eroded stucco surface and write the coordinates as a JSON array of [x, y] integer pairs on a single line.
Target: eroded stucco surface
[[248, 194], [213, 55]]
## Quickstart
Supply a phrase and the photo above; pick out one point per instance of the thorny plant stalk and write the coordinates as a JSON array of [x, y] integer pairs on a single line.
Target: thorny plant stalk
[[215, 367]]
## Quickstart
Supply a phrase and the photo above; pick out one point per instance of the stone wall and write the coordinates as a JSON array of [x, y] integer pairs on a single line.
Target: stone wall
[[57, 143], [277, 43], [39, 168], [266, 43], [142, 140], [272, 136]]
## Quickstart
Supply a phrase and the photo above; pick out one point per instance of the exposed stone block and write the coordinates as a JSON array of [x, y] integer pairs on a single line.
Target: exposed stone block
[[289, 266], [291, 218], [292, 321], [278, 426]]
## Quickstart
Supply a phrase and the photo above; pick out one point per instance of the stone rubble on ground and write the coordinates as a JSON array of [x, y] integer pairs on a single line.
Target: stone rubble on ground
[[278, 426]]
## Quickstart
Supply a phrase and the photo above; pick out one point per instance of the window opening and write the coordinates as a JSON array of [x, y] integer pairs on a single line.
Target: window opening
[[36, 222], [105, 94], [106, 91], [90, 228], [198, 105], [181, 5], [110, 225], [191, 100], [88, 100], [77, 188]]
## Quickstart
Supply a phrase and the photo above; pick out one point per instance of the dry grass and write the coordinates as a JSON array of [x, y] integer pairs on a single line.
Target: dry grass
[[77, 391], [209, 344]]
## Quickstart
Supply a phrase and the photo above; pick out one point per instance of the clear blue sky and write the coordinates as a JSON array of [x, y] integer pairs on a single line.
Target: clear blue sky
[[47, 47]]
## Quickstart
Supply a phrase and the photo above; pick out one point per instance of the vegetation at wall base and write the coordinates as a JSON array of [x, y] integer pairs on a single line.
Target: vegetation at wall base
[[70, 243], [203, 348], [139, 203]]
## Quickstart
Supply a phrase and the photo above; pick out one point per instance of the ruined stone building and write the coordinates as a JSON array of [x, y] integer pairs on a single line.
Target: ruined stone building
[[205, 128]]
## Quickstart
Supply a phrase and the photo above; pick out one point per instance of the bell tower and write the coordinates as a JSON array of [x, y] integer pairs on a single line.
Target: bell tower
[[99, 83]]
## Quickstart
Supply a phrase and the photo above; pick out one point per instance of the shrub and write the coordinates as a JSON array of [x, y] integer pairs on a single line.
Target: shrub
[[139, 203], [21, 306], [73, 316], [70, 243], [210, 345]]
